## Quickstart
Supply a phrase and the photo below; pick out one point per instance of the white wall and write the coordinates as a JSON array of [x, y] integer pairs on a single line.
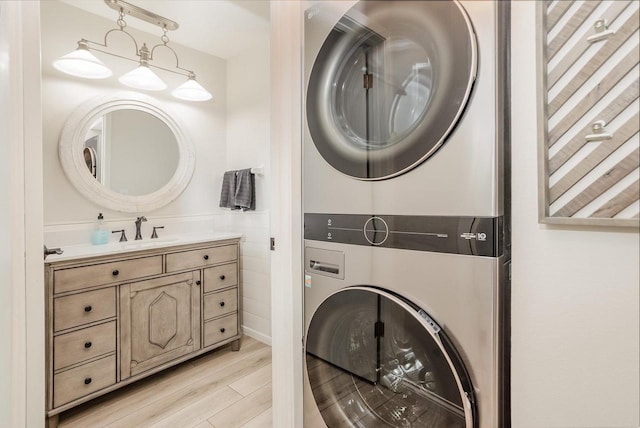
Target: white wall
[[204, 123], [248, 120], [575, 306]]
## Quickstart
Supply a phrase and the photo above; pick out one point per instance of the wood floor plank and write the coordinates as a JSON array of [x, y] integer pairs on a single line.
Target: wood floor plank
[[119, 404], [241, 412], [217, 379], [207, 404], [108, 408], [263, 420], [203, 424], [252, 382]]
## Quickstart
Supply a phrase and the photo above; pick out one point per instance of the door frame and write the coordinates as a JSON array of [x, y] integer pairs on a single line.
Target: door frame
[[286, 219], [25, 215]]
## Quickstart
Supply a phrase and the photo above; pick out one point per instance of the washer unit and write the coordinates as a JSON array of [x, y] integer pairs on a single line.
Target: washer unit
[[406, 242]]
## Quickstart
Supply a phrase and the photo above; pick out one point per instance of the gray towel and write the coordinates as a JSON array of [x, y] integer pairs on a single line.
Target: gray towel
[[228, 192], [245, 194]]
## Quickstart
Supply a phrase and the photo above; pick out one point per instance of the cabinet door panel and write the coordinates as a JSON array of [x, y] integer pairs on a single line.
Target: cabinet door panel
[[160, 321]]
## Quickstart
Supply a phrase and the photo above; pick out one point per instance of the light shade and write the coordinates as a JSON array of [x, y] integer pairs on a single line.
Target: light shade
[[82, 63], [143, 78], [191, 91]]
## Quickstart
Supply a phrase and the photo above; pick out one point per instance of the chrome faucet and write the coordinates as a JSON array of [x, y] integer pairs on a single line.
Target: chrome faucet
[[138, 222]]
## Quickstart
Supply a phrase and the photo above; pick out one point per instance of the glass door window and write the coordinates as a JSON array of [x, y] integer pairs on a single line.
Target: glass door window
[[389, 84], [373, 360]]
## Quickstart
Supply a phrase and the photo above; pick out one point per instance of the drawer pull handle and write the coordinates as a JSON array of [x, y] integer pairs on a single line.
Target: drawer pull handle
[[222, 277], [116, 272], [198, 282], [87, 345], [88, 308], [87, 381], [206, 257], [222, 330], [221, 304]]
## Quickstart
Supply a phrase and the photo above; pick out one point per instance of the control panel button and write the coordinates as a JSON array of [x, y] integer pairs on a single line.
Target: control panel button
[[376, 231]]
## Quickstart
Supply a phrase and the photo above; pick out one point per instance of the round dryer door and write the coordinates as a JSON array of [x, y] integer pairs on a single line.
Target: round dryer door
[[375, 360], [389, 85]]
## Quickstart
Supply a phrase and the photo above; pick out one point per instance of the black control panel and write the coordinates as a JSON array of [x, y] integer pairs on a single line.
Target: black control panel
[[479, 236]]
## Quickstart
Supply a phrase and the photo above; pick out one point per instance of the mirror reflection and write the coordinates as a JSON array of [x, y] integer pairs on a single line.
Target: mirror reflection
[[131, 152]]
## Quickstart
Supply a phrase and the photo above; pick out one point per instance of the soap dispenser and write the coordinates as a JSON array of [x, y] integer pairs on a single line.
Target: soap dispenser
[[100, 235]]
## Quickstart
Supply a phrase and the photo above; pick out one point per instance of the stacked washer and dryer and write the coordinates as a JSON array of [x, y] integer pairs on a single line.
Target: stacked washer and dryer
[[406, 214]]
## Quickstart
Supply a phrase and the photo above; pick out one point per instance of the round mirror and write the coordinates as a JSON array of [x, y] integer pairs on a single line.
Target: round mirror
[[125, 153]]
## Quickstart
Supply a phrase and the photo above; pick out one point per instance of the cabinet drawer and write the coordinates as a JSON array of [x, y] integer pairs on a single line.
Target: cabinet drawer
[[222, 303], [83, 380], [204, 257], [83, 308], [219, 277], [82, 345], [105, 273], [220, 329]]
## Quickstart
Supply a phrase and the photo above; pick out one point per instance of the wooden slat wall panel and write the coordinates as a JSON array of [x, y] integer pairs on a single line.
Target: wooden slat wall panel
[[594, 159], [607, 113], [602, 184], [582, 45], [579, 196], [600, 58], [595, 95], [567, 31], [620, 202], [557, 13]]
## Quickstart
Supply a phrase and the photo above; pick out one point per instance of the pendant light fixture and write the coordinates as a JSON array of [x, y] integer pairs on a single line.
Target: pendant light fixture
[[82, 63], [142, 77]]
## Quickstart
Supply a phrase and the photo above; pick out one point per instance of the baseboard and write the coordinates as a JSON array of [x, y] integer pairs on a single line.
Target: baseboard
[[257, 335]]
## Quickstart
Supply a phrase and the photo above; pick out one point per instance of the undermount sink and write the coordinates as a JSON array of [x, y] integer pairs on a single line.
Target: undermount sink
[[146, 244]]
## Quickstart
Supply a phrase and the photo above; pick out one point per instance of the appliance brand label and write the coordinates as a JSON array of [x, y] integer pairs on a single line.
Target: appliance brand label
[[477, 236]]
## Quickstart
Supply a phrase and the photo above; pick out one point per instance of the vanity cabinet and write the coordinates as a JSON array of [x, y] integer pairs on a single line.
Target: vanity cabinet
[[115, 319]]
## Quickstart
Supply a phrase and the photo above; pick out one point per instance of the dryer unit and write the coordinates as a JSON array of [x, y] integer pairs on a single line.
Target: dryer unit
[[403, 107], [406, 219]]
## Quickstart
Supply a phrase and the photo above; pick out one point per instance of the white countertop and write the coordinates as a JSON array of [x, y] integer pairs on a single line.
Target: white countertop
[[73, 252]]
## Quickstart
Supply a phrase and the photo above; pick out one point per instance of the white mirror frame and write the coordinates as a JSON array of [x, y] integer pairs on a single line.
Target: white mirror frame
[[71, 157]]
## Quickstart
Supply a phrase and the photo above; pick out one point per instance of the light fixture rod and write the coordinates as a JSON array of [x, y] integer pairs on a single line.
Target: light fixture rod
[[143, 14], [187, 73]]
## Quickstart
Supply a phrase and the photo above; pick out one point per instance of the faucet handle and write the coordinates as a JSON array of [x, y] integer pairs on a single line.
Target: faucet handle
[[155, 234], [123, 237]]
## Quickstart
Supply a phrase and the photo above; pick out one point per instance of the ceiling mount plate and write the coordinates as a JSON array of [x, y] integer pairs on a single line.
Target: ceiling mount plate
[[143, 14]]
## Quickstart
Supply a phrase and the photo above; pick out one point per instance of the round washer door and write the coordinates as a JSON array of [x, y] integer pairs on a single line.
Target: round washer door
[[389, 85], [374, 359]]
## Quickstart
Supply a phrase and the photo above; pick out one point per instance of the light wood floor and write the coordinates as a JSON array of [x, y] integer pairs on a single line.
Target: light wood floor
[[221, 389]]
